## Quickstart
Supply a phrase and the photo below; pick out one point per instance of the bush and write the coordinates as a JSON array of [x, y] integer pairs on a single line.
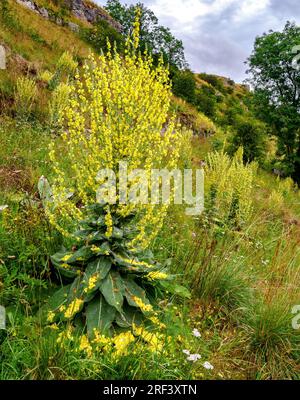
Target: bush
[[206, 101], [184, 85], [250, 134], [102, 34]]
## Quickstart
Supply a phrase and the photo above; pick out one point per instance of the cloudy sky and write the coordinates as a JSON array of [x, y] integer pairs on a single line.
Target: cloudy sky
[[218, 35]]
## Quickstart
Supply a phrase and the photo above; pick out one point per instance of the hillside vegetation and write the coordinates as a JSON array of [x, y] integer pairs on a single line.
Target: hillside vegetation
[[173, 287]]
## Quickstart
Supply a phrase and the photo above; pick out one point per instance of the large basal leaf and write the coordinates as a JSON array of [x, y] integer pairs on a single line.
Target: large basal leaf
[[133, 291], [131, 263], [101, 265], [98, 269], [54, 302], [68, 271], [112, 289], [58, 298], [129, 316], [99, 315], [82, 254]]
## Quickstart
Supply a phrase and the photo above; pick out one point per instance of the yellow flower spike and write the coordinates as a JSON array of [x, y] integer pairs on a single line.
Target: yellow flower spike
[[73, 308], [156, 275], [118, 110], [121, 343], [85, 346]]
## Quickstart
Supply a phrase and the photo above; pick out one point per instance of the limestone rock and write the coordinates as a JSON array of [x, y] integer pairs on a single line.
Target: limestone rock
[[73, 27], [27, 3], [2, 57]]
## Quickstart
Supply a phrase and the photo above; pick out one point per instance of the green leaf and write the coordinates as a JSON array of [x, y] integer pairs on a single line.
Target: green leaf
[[175, 289], [99, 315], [81, 255], [129, 316], [117, 233], [101, 265], [133, 290], [104, 249], [58, 298], [68, 272], [112, 289], [45, 191], [54, 302]]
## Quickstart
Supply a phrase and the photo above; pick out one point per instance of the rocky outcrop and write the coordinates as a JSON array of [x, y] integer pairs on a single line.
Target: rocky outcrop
[[92, 13], [86, 11]]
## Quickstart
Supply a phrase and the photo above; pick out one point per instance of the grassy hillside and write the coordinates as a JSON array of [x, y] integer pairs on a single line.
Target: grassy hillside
[[240, 259]]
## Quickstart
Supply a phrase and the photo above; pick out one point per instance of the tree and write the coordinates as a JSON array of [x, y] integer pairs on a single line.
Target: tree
[[184, 85], [276, 81], [250, 134], [206, 101], [156, 38]]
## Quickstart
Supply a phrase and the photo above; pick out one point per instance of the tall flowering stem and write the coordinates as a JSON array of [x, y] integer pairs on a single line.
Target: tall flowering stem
[[118, 111]]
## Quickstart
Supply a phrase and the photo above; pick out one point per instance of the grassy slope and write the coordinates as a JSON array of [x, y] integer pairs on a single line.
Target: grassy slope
[[242, 307]]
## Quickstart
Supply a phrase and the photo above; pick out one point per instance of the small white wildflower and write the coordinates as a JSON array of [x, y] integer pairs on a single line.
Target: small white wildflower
[[207, 365], [194, 357], [196, 333], [2, 208], [186, 352]]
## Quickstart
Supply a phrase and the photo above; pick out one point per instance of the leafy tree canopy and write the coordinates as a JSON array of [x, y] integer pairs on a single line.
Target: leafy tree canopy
[[276, 81], [158, 39]]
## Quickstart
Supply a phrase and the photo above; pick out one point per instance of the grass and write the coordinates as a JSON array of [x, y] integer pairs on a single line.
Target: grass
[[243, 284]]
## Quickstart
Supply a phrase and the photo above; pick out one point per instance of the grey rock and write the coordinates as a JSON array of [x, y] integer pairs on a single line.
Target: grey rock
[[73, 27], [27, 3], [44, 12], [2, 57]]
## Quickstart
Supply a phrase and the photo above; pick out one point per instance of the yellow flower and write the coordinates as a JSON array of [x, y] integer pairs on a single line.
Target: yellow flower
[[85, 345], [73, 308], [157, 322], [101, 341], [54, 327], [62, 308], [66, 257], [95, 249], [65, 336], [156, 276], [92, 283], [115, 112], [142, 305], [153, 340], [121, 342], [51, 316]]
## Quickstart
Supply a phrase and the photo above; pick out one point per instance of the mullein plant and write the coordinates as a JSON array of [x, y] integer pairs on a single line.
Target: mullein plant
[[118, 111]]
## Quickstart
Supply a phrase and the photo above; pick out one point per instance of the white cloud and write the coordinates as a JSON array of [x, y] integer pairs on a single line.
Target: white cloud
[[218, 35]]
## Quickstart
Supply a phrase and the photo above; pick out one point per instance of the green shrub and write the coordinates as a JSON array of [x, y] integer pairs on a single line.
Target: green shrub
[[184, 85], [249, 134], [206, 101], [101, 34]]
